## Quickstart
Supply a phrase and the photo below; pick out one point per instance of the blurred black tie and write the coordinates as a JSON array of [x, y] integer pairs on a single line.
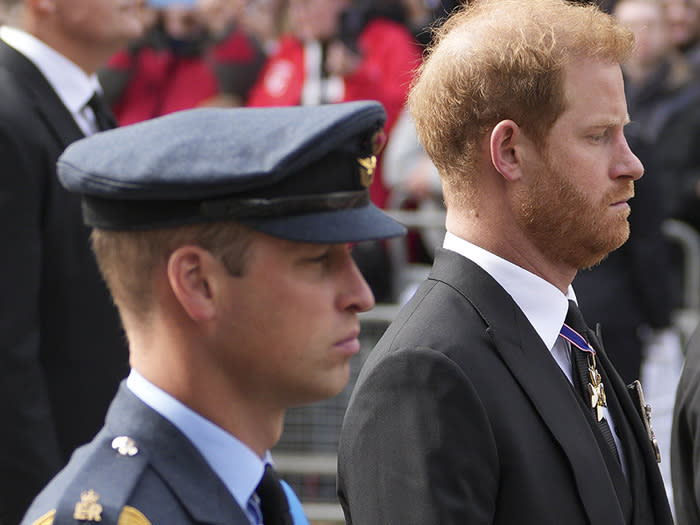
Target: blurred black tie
[[273, 501], [103, 115], [582, 371]]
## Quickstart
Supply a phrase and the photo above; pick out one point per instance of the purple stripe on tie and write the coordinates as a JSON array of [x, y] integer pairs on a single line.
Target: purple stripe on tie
[[575, 339]]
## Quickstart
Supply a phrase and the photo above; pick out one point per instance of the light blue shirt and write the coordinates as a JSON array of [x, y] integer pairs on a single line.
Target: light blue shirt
[[72, 85], [542, 303], [237, 466]]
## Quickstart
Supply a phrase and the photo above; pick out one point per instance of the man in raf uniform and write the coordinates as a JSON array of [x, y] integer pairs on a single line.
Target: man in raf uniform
[[223, 235]]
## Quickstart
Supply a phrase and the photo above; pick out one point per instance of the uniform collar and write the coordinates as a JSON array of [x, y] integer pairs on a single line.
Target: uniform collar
[[238, 467]]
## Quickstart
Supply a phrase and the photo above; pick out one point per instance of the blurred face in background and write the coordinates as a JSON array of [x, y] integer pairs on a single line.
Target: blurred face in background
[[315, 19], [182, 22], [218, 15], [683, 21], [263, 19], [646, 19], [98, 22]]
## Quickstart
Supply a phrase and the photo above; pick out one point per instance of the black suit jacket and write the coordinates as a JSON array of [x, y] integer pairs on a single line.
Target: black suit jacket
[[62, 352], [461, 415]]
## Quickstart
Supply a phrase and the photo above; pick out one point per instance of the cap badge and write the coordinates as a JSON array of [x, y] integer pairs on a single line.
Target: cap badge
[[125, 446], [367, 167], [87, 509]]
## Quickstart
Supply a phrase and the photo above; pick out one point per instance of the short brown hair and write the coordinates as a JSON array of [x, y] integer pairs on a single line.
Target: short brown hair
[[503, 59], [128, 259]]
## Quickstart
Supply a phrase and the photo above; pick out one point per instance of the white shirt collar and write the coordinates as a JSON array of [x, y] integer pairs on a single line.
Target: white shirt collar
[[71, 83], [541, 302], [237, 465]]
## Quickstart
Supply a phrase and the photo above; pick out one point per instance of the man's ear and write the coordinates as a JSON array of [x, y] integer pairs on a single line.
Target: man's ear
[[190, 270], [506, 139]]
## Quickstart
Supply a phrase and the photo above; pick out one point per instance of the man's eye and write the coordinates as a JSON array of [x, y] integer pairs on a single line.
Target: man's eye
[[320, 258], [599, 137]]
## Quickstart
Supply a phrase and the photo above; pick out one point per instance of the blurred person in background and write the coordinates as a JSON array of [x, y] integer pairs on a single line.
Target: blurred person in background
[[265, 21], [684, 27], [195, 54], [62, 350], [663, 97], [234, 53], [414, 184], [422, 15]]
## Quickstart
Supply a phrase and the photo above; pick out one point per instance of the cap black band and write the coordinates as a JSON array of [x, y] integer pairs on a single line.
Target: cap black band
[[281, 206], [111, 214]]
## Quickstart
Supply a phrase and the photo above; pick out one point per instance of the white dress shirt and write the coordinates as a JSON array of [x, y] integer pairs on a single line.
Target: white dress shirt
[[72, 85]]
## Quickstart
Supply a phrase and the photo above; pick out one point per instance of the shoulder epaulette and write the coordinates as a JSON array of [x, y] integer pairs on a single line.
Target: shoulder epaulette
[[99, 491]]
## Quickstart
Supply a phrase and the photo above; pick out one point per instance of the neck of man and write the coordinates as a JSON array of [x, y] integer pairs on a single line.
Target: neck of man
[[88, 57], [510, 244]]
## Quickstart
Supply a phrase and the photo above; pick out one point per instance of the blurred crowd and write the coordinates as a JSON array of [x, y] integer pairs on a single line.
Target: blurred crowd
[[268, 52]]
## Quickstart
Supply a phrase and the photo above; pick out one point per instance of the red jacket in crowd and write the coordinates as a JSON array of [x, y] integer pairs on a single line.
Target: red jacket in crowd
[[390, 55]]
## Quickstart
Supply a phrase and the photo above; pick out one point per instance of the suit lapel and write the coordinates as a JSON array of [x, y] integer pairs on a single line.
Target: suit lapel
[[540, 378], [187, 473], [57, 118]]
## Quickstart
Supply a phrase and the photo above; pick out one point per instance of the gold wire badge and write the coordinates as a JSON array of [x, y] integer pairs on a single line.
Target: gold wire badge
[[132, 516], [129, 516], [88, 509], [367, 167]]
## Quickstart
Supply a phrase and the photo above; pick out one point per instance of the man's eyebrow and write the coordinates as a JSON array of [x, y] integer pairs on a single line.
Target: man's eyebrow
[[609, 123]]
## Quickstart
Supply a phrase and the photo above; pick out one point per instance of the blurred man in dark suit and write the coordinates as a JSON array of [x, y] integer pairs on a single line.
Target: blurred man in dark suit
[[62, 352]]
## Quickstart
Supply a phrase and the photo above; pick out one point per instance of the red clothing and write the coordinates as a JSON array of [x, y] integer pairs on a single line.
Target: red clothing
[[390, 56], [160, 82]]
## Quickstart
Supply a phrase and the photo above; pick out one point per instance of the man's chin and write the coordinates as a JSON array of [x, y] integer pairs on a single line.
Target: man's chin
[[597, 254]]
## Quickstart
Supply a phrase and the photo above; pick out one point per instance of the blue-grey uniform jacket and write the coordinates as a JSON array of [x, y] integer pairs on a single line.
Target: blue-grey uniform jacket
[[139, 469]]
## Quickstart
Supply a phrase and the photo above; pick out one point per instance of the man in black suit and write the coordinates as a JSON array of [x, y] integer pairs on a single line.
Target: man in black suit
[[62, 351], [480, 404]]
